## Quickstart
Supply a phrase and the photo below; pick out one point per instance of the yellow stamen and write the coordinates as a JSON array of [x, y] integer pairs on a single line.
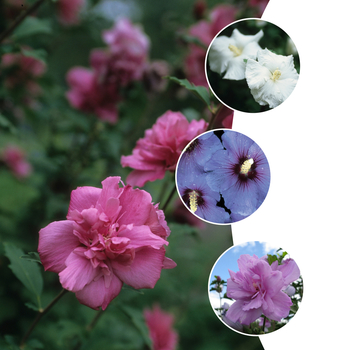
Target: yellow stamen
[[245, 167], [193, 201], [236, 51], [276, 75]]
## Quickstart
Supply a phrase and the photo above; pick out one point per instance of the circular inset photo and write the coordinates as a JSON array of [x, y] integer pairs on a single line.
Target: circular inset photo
[[255, 288], [252, 66], [222, 176]]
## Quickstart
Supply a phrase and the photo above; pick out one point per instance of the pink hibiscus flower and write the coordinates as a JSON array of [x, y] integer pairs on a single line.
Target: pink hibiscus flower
[[15, 159], [88, 95], [160, 326], [112, 236], [205, 31], [161, 147], [69, 10]]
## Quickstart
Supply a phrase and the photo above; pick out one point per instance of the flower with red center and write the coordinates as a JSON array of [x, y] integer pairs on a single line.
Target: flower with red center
[[112, 236], [160, 326], [257, 289], [240, 172], [161, 147]]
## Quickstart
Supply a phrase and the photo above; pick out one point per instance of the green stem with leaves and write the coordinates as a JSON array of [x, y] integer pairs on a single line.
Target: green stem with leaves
[[40, 314], [20, 19]]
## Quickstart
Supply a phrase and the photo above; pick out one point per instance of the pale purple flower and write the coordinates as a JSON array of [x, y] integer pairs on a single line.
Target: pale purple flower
[[258, 290]]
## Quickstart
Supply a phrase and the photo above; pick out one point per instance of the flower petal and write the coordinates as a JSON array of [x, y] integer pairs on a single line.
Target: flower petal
[[83, 198], [56, 242], [95, 294], [235, 313], [145, 269], [78, 273]]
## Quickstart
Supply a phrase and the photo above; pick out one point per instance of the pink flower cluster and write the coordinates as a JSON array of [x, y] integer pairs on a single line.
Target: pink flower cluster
[[25, 70], [97, 90], [161, 147], [15, 159], [205, 30], [160, 326], [69, 10], [260, 288], [112, 236]]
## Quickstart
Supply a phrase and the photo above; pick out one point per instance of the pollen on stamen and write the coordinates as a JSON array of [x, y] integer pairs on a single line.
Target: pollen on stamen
[[236, 51], [276, 75], [246, 166], [193, 201]]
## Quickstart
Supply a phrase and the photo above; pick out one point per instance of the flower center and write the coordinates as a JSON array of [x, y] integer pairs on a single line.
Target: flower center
[[193, 201], [276, 75], [247, 164], [236, 51]]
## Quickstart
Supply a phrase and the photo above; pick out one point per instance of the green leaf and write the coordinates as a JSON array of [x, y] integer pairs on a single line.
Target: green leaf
[[4, 123], [199, 91], [32, 26], [26, 271], [192, 40], [32, 256], [183, 229], [271, 258], [39, 54], [31, 306], [139, 322], [125, 286]]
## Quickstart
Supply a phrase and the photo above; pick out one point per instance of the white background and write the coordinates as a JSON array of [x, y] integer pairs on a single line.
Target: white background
[[305, 139]]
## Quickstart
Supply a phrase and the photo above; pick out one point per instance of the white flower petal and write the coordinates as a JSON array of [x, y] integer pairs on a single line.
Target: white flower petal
[[243, 40], [227, 54], [272, 78]]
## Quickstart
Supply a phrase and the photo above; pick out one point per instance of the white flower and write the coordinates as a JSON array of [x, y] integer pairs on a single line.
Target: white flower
[[227, 54], [272, 78]]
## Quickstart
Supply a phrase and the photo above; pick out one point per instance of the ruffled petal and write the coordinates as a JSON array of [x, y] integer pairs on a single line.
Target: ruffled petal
[[56, 242], [235, 313], [83, 198]]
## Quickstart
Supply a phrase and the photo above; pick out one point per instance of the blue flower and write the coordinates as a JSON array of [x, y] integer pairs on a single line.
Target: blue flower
[[199, 198], [240, 172]]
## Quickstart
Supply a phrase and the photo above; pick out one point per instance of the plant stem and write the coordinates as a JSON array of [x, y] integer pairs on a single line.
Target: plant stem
[[40, 314], [263, 326], [19, 20], [169, 198], [92, 324]]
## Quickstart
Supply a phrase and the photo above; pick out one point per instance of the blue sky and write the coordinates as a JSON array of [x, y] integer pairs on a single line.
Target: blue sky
[[228, 260]]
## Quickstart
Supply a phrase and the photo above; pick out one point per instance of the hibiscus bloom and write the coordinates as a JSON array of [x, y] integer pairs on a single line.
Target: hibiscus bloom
[[228, 54], [199, 198], [257, 289], [160, 326], [15, 159], [271, 78], [112, 236], [240, 172], [161, 147]]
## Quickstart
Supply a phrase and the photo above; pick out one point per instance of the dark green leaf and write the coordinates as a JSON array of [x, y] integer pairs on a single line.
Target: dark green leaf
[[26, 271], [32, 26], [32, 256], [125, 286], [31, 306], [4, 123], [199, 91], [139, 322], [39, 54]]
